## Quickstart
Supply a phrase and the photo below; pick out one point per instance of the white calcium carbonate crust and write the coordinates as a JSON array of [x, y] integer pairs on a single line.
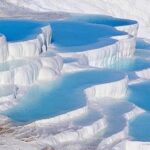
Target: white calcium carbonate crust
[[3, 49]]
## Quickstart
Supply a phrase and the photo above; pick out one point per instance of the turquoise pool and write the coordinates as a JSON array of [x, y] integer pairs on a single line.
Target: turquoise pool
[[54, 98], [18, 30], [68, 34], [103, 19], [131, 64], [139, 95]]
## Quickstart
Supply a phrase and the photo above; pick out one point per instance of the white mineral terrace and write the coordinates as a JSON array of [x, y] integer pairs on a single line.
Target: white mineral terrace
[[28, 63]]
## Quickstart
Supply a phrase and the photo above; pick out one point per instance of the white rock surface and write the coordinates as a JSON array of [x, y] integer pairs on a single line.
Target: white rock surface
[[53, 62], [117, 8], [115, 89], [105, 56], [78, 135], [31, 48], [132, 145], [61, 118], [46, 68], [108, 143], [28, 74], [130, 29], [144, 74], [23, 75], [47, 73], [3, 49], [15, 144]]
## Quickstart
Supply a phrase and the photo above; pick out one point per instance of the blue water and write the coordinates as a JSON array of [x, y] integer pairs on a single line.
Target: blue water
[[102, 19], [139, 94], [88, 118], [16, 30], [46, 100], [131, 64], [139, 128], [73, 34], [142, 53], [58, 97], [142, 44]]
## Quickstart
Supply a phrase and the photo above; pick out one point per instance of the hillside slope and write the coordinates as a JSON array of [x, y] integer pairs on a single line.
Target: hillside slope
[[133, 9]]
